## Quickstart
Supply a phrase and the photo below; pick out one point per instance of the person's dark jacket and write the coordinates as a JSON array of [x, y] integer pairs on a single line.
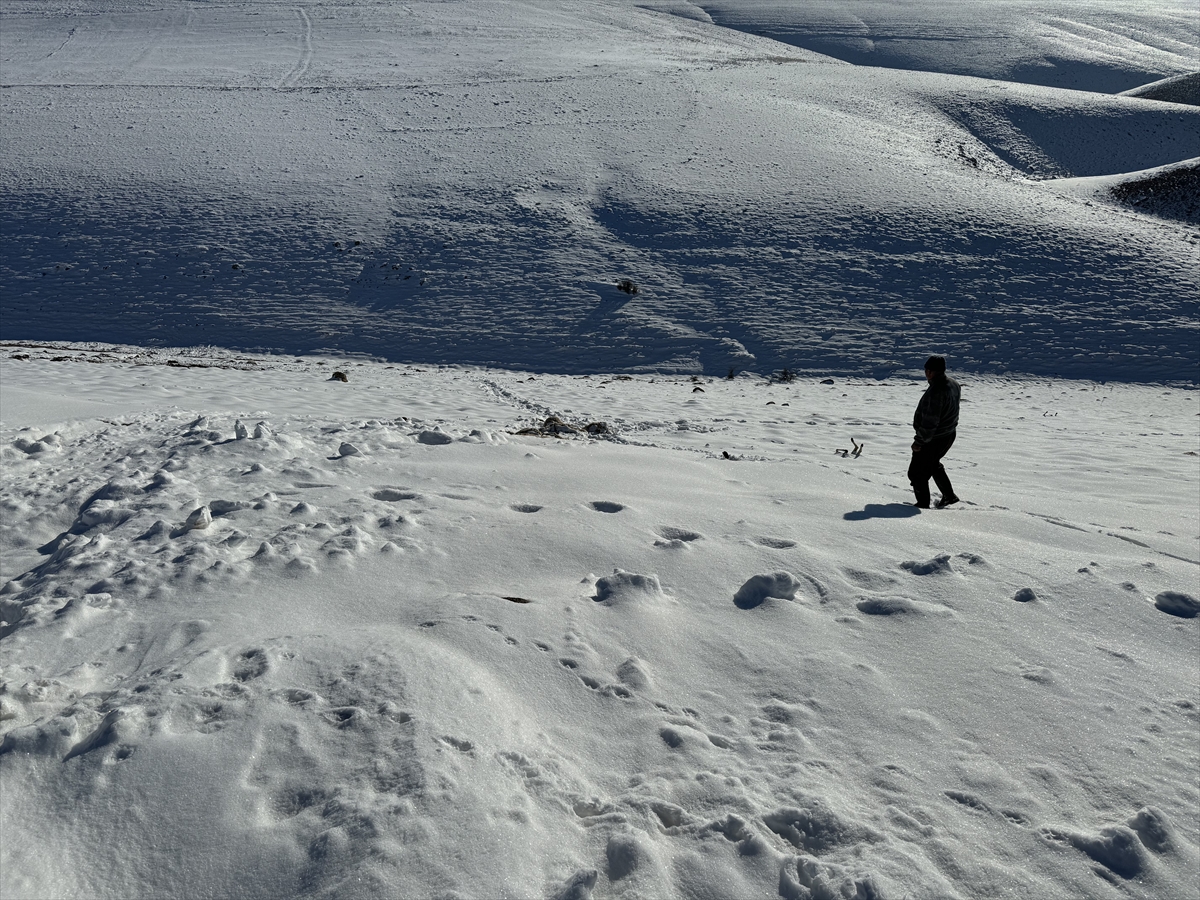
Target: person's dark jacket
[[937, 412]]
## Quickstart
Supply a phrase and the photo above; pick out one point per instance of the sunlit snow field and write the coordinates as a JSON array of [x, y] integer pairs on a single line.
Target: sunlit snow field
[[269, 632]]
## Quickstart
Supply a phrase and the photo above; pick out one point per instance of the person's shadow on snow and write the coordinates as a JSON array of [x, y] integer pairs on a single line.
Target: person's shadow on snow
[[883, 511]]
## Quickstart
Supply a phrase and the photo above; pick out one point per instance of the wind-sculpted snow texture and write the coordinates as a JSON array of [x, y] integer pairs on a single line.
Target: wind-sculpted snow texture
[[465, 183], [482, 579], [268, 632]]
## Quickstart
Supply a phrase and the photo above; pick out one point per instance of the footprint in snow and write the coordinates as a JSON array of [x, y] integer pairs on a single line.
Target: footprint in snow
[[1037, 674], [606, 506], [628, 588], [803, 876], [394, 495], [1117, 848], [937, 566], [634, 673], [676, 538], [625, 853], [873, 581], [898, 606], [607, 690], [817, 829], [525, 508], [250, 664], [774, 543], [1016, 817], [671, 737], [460, 744], [579, 886]]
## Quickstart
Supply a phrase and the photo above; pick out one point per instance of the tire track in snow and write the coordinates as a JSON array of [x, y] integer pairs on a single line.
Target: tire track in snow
[[298, 71]]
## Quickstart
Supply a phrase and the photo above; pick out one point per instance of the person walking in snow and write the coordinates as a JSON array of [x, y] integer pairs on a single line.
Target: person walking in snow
[[936, 425]]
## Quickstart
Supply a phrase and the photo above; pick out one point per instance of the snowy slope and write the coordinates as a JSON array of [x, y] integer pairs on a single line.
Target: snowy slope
[[1106, 46], [466, 182], [267, 632], [398, 661]]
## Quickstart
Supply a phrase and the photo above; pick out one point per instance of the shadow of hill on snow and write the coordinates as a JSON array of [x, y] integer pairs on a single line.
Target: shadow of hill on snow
[[1103, 46], [1173, 193], [840, 293], [1043, 136], [1177, 89]]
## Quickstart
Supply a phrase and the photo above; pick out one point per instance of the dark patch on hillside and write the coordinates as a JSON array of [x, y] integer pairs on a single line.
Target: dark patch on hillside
[[1174, 194], [1180, 89]]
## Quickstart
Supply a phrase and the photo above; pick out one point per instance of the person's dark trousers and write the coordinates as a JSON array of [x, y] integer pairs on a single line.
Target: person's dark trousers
[[927, 463]]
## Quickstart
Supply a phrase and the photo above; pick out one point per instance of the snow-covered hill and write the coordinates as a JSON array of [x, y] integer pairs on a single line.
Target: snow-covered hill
[[414, 629], [466, 183]]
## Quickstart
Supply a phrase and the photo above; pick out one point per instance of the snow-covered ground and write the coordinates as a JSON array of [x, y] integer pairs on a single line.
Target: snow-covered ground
[[418, 654], [268, 632]]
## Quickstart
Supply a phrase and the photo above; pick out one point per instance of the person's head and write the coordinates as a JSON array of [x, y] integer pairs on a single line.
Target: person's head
[[935, 367]]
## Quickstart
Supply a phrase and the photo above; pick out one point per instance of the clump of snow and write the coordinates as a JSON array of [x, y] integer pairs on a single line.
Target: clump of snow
[[1177, 603], [939, 565], [200, 517], [760, 588], [434, 437], [623, 588]]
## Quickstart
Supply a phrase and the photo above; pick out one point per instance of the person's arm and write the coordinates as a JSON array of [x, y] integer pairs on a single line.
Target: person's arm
[[928, 417]]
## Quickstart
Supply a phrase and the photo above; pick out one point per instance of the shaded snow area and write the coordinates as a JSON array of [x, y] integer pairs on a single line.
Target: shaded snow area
[[271, 632], [466, 183], [1172, 192], [1107, 46], [458, 450]]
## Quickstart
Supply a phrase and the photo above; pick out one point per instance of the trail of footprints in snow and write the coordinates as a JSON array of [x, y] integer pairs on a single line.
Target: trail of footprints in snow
[[86, 560], [808, 829], [355, 708], [304, 711], [153, 506], [127, 541], [811, 828]]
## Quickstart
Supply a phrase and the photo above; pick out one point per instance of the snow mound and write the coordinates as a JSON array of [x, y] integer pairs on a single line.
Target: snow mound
[[898, 606], [1052, 134], [1178, 89], [1177, 603], [623, 588], [1171, 193], [760, 588], [939, 565], [434, 438]]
